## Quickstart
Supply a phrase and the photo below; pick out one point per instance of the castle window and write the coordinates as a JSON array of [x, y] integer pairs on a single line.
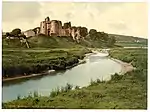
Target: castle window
[[43, 26]]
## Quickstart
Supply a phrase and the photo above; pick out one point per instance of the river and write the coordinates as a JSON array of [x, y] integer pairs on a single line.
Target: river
[[97, 66]]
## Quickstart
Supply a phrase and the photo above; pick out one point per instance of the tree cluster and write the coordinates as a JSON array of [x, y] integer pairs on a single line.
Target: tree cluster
[[94, 35], [15, 33]]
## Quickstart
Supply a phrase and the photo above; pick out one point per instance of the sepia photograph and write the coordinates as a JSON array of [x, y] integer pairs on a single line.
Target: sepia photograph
[[74, 55]]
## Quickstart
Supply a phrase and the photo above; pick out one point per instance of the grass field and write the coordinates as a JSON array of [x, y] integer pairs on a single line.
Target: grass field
[[132, 44], [128, 91], [17, 62]]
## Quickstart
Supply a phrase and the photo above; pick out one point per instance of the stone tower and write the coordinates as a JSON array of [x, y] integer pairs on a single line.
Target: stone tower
[[54, 30], [43, 27], [48, 25]]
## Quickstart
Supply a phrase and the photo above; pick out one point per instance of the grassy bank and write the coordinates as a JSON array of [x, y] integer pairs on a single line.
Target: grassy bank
[[128, 91], [23, 62], [132, 44]]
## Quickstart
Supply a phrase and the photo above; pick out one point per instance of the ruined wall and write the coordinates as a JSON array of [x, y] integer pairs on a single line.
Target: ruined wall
[[73, 33], [43, 27], [67, 25], [48, 28], [48, 25], [60, 28], [29, 33], [54, 27], [63, 32], [37, 30], [54, 30]]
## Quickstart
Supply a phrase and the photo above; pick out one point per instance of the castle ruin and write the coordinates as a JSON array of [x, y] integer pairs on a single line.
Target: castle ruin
[[55, 28]]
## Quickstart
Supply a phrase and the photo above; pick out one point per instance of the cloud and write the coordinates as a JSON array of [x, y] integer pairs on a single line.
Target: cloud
[[69, 15], [20, 11], [119, 26], [119, 18]]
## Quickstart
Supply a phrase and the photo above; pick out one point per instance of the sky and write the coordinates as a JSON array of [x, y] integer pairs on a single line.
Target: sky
[[129, 18]]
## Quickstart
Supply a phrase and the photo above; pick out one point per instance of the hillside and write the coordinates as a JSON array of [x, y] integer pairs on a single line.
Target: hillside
[[130, 41], [42, 41], [53, 42], [128, 38]]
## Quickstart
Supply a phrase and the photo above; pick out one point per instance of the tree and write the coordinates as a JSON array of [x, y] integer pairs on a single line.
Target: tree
[[16, 32], [22, 35], [7, 34], [92, 31], [84, 31], [103, 36], [111, 41]]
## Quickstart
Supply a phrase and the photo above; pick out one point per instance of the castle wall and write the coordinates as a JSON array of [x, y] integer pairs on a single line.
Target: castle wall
[[43, 27], [54, 30], [73, 33], [48, 24], [55, 27], [29, 33]]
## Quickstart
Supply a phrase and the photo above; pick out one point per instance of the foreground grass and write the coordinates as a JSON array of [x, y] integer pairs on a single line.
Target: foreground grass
[[127, 91]]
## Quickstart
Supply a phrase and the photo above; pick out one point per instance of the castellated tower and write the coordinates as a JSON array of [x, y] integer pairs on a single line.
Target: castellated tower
[[43, 27], [55, 25], [48, 26], [67, 28]]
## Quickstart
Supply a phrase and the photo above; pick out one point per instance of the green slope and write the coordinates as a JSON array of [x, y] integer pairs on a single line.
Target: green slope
[[130, 41], [42, 42]]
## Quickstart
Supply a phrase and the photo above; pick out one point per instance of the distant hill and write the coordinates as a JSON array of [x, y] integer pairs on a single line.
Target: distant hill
[[123, 38], [130, 41]]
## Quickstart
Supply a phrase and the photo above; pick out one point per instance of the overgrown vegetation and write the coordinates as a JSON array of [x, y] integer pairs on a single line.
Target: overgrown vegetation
[[100, 39], [24, 62], [128, 91]]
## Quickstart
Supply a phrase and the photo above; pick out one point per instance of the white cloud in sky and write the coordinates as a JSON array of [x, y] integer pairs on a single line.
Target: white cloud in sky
[[118, 18]]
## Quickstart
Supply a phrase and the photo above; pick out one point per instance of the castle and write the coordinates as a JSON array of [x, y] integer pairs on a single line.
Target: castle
[[55, 28]]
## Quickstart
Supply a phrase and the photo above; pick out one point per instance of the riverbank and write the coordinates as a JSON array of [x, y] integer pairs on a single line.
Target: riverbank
[[22, 64], [126, 67], [40, 74]]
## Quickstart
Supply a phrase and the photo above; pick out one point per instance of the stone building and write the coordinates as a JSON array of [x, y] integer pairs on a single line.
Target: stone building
[[55, 28], [29, 33]]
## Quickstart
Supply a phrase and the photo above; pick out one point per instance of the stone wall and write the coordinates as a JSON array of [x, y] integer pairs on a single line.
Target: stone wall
[[29, 33], [54, 27]]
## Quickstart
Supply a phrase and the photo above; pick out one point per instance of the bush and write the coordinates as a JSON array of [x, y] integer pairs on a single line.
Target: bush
[[54, 92], [93, 83], [68, 87], [116, 77], [77, 87], [18, 97], [35, 94]]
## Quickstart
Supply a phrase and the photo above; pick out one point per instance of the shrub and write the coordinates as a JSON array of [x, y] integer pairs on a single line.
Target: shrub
[[54, 92], [116, 77], [35, 94], [77, 87], [68, 87], [18, 97], [93, 83]]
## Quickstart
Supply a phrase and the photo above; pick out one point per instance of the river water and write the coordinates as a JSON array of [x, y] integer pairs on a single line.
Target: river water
[[96, 66]]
